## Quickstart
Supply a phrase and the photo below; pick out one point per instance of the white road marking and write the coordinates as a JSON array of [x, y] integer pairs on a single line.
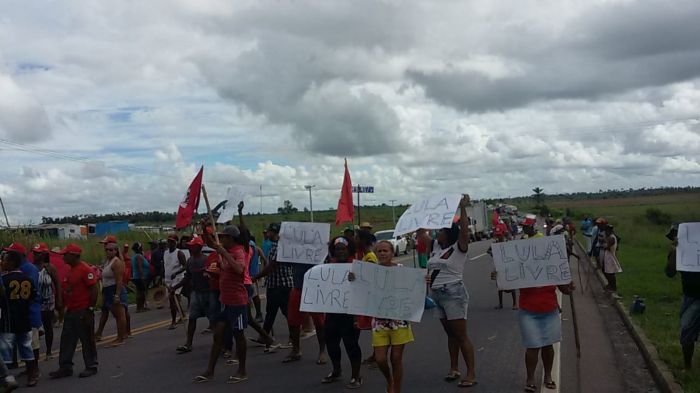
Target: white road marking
[[478, 256]]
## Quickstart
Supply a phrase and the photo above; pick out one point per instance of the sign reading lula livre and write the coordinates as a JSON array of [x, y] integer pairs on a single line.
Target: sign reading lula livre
[[531, 263], [434, 212], [688, 249], [327, 289], [387, 292], [303, 242]]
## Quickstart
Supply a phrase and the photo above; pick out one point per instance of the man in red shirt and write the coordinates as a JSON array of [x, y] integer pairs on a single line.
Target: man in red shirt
[[233, 298], [79, 321]]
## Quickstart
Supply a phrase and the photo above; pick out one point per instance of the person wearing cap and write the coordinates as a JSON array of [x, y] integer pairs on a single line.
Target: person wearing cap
[[366, 226], [233, 297], [174, 261], [199, 282], [349, 232], [114, 298], [140, 269], [79, 320], [50, 293], [448, 256], [17, 292], [32, 272], [280, 281], [690, 303]]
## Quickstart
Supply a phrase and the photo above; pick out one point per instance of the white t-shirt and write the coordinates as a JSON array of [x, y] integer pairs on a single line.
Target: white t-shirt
[[171, 264], [450, 261]]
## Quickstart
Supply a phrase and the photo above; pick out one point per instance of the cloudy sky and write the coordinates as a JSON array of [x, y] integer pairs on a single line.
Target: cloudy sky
[[113, 105]]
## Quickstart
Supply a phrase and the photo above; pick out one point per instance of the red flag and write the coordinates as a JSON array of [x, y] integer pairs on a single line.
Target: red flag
[[190, 202], [495, 219], [346, 210]]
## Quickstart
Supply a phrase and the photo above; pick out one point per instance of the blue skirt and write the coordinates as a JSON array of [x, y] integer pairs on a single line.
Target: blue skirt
[[539, 329]]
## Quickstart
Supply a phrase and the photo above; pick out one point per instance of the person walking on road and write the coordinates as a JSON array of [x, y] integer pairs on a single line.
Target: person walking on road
[[174, 261], [17, 293], [79, 320], [448, 255], [113, 294], [608, 255], [140, 269], [690, 306], [50, 293], [540, 328], [342, 327], [234, 300], [389, 335], [422, 248]]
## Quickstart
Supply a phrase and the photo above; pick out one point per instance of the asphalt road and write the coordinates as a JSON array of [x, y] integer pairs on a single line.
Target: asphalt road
[[149, 363]]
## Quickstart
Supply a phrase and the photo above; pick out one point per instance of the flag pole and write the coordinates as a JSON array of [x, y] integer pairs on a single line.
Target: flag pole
[[211, 216]]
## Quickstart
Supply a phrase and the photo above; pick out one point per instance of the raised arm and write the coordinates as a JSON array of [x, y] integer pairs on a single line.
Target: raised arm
[[245, 235]]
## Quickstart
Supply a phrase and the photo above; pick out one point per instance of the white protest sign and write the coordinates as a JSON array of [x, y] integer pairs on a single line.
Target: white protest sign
[[387, 292], [303, 242], [228, 211], [688, 249], [434, 212], [531, 263], [327, 289]]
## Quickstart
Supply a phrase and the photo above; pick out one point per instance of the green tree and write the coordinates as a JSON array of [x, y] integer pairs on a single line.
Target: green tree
[[287, 208], [539, 195]]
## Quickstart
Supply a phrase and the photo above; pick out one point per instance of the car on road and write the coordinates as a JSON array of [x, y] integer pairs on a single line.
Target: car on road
[[400, 244]]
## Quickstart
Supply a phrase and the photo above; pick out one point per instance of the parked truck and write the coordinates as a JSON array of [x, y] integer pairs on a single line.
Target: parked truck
[[480, 221]]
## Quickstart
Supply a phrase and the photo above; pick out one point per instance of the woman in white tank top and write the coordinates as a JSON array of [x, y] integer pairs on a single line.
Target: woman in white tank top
[[113, 294]]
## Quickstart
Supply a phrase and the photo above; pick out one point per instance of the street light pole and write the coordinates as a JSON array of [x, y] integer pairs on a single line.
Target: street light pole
[[311, 202], [393, 214]]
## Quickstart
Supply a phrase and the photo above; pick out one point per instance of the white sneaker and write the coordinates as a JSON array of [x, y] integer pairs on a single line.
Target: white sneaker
[[10, 383]]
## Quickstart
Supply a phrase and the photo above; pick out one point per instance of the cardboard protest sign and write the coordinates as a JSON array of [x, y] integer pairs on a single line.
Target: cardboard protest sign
[[531, 263], [228, 211], [434, 212], [688, 249], [303, 242], [327, 289], [387, 292]]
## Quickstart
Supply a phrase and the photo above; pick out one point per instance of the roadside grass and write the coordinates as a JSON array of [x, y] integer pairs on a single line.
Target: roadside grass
[[642, 253]]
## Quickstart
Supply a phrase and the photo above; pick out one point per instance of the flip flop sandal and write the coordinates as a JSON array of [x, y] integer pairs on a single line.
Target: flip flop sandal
[[530, 388], [321, 361], [226, 355], [232, 362], [291, 358], [172, 327], [550, 385], [467, 384], [114, 345], [234, 379], [330, 378], [271, 349], [183, 349], [354, 384], [452, 376], [200, 379]]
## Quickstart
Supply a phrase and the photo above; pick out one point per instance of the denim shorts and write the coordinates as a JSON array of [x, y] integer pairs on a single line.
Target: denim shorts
[[199, 305], [451, 300], [23, 342], [539, 329], [108, 297]]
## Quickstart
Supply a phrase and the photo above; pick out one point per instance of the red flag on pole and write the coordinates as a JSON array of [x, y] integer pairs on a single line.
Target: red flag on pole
[[346, 210], [190, 202]]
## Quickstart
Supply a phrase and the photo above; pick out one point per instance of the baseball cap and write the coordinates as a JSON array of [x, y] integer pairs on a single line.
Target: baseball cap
[[197, 241], [15, 247], [231, 230], [70, 249], [274, 227], [173, 238], [41, 247], [109, 239]]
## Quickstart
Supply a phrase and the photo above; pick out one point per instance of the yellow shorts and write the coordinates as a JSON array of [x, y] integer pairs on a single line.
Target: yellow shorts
[[384, 338]]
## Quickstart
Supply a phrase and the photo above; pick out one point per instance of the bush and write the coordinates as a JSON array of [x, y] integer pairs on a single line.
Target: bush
[[658, 217]]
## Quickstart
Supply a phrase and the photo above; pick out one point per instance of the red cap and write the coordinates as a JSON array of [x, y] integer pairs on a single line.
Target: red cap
[[109, 239], [16, 247], [196, 241], [70, 249], [41, 247], [173, 238], [529, 222]]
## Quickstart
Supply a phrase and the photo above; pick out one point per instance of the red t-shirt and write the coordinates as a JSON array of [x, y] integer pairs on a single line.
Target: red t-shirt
[[421, 245], [246, 273], [212, 268], [233, 292], [77, 287], [539, 299]]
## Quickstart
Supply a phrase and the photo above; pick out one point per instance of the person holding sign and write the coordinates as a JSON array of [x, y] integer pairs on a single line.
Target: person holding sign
[[295, 318], [342, 327], [690, 307], [448, 255], [389, 334]]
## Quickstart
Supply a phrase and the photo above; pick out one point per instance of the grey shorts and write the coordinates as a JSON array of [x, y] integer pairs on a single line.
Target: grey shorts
[[199, 305], [452, 301]]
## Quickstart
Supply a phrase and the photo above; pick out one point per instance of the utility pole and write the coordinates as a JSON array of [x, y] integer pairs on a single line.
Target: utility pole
[[358, 206], [393, 214], [261, 199], [311, 202], [3, 212]]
